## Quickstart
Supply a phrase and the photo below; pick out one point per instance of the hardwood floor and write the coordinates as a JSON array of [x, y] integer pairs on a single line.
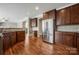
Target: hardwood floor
[[38, 47]]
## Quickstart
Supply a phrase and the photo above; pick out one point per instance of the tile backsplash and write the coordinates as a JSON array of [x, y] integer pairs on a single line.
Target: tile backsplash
[[68, 28]]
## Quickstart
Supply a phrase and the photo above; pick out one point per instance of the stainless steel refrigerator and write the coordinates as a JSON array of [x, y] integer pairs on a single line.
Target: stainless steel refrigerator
[[47, 30]]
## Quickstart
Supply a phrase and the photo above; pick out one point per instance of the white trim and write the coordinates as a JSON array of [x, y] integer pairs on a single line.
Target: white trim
[[66, 6]]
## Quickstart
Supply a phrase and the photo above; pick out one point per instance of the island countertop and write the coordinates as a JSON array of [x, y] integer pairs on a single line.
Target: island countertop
[[2, 30]]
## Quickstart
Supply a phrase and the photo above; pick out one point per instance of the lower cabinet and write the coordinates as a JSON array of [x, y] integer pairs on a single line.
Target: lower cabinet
[[6, 41], [58, 37], [12, 38], [1, 46], [9, 39], [20, 36], [68, 39], [77, 40]]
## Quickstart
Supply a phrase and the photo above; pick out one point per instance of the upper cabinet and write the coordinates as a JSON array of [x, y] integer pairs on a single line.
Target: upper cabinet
[[52, 14], [45, 15], [63, 16], [58, 20], [68, 15], [49, 14], [75, 14]]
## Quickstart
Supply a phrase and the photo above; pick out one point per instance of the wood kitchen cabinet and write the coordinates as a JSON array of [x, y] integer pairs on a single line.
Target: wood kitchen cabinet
[[20, 36], [49, 14], [45, 15], [68, 39], [58, 37], [77, 36], [1, 46], [75, 14], [13, 38], [59, 21], [52, 14], [63, 16], [68, 15], [6, 41], [9, 39]]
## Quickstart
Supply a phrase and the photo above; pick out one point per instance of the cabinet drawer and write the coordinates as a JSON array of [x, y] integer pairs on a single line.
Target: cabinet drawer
[[68, 33]]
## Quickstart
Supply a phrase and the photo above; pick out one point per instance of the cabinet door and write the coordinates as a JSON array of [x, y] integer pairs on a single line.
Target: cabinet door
[[58, 37], [59, 20], [78, 41], [63, 16], [1, 46], [20, 36], [6, 41], [45, 16], [66, 16], [75, 14], [13, 38], [68, 39], [75, 40], [52, 13]]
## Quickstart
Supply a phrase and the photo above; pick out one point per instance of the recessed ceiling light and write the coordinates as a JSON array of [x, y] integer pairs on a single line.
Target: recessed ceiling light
[[37, 8]]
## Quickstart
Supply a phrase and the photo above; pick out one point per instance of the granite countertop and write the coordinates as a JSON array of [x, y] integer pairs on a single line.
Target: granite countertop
[[2, 30]]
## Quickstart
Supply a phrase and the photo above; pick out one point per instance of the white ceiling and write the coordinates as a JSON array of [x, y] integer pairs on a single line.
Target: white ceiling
[[18, 11]]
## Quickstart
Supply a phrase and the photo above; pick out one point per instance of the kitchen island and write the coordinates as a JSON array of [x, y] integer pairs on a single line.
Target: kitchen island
[[9, 37]]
